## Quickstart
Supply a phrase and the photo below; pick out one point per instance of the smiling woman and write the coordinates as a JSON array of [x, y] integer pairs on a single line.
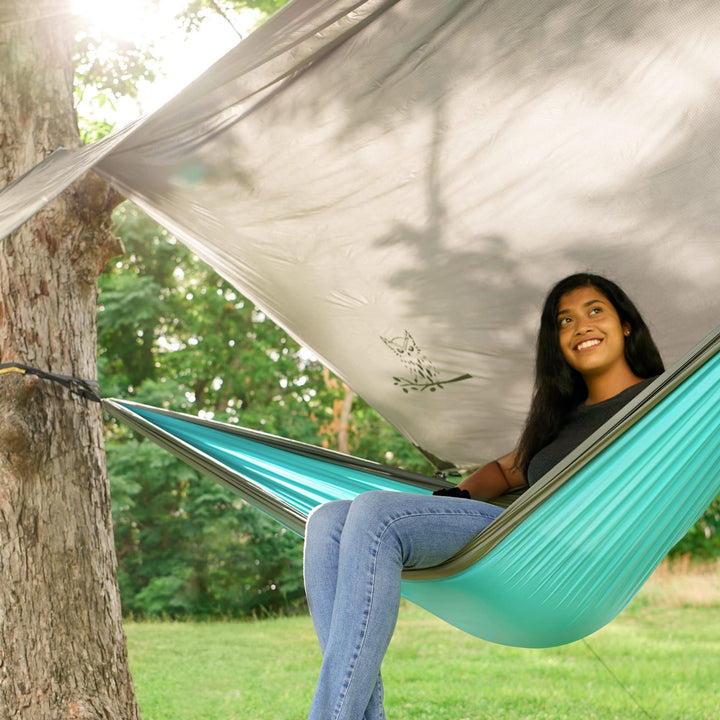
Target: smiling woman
[[592, 341], [587, 369], [585, 360]]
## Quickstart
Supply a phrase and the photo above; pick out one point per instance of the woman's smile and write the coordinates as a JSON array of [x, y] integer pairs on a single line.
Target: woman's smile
[[586, 345]]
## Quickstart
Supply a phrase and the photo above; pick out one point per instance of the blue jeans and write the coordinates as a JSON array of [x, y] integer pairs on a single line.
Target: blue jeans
[[355, 551]]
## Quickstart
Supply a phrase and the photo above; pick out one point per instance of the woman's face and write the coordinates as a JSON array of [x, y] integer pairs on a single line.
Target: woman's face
[[591, 336]]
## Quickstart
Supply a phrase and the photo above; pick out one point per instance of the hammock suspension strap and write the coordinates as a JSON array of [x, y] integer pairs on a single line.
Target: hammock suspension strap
[[622, 685], [87, 389]]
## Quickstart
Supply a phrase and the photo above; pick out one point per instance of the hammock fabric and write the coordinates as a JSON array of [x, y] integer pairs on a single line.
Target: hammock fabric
[[564, 559], [397, 183]]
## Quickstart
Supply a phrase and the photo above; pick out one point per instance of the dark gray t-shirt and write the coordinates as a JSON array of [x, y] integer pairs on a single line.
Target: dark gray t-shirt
[[581, 424]]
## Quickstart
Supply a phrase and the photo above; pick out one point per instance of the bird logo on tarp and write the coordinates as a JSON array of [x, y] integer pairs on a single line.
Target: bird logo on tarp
[[422, 374]]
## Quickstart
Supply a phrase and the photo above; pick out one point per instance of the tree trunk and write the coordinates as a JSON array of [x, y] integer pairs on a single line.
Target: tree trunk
[[344, 419], [62, 648]]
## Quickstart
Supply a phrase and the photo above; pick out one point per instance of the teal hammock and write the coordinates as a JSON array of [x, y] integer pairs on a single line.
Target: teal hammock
[[563, 559]]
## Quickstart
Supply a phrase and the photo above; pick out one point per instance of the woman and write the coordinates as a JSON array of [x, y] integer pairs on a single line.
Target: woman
[[594, 354]]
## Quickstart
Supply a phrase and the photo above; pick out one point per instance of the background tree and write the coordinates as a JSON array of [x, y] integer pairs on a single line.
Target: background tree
[[171, 332], [62, 648]]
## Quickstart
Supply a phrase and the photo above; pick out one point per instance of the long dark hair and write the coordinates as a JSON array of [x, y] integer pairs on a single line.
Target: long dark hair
[[558, 388]]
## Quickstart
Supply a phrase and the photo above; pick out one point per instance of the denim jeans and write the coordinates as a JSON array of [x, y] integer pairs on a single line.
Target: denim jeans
[[355, 551]]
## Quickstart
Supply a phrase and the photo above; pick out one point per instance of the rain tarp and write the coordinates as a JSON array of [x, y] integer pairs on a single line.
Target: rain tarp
[[397, 184]]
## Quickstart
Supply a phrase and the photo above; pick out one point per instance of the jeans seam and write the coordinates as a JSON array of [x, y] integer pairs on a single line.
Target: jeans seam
[[371, 596], [378, 541]]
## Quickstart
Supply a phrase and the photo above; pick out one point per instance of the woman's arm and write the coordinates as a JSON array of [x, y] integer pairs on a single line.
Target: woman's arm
[[493, 479]]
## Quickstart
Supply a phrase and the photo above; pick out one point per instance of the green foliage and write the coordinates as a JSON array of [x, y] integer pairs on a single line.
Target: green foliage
[[198, 10], [187, 546], [172, 333], [108, 69], [105, 71], [111, 68], [703, 540], [373, 438]]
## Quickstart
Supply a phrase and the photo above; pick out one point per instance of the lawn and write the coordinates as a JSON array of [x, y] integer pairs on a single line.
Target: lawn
[[660, 659]]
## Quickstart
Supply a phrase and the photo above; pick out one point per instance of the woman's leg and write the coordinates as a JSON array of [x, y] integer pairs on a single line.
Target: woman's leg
[[382, 532], [323, 532]]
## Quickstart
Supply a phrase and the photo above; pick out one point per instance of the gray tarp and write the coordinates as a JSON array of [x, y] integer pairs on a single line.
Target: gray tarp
[[398, 183]]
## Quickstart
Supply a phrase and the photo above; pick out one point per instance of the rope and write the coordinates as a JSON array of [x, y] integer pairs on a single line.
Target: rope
[[87, 389], [617, 680]]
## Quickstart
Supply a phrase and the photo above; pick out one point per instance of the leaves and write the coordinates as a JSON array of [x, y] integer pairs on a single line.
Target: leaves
[[105, 71], [187, 546], [108, 69], [197, 11], [172, 333], [703, 540]]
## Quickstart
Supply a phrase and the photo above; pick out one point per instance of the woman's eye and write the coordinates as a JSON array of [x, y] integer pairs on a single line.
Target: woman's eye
[[563, 321], [595, 311]]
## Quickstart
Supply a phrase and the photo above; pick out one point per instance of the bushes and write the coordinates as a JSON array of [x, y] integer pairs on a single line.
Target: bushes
[[703, 540], [188, 547]]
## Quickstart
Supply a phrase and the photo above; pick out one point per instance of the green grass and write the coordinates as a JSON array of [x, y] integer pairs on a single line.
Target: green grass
[[665, 649]]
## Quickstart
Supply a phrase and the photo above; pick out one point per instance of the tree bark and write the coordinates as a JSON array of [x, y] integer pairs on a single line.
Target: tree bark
[[344, 419], [62, 648]]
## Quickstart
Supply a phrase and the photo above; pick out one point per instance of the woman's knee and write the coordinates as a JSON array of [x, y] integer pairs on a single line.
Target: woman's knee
[[327, 517], [375, 507]]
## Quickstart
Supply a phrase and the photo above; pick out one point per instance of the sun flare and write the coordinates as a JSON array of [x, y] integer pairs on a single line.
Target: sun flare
[[183, 55], [131, 20]]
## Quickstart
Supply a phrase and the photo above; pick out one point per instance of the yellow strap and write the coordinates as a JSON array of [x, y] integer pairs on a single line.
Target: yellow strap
[[13, 368]]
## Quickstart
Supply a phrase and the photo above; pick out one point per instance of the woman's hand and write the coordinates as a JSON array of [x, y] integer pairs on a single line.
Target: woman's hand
[[453, 492]]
